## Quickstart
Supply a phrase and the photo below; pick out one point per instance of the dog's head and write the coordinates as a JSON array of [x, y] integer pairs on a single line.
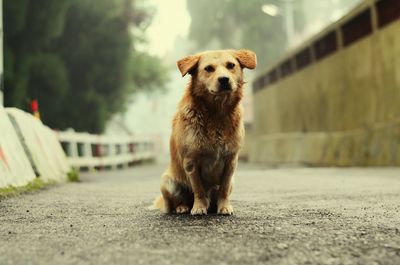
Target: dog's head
[[218, 72]]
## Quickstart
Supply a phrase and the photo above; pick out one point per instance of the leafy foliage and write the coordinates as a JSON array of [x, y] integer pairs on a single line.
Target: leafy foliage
[[73, 175], [78, 58]]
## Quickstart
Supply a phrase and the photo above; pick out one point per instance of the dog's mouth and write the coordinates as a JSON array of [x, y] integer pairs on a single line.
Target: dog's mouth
[[222, 88], [220, 92]]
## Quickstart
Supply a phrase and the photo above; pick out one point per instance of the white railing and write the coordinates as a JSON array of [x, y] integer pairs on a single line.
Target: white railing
[[91, 151], [30, 150]]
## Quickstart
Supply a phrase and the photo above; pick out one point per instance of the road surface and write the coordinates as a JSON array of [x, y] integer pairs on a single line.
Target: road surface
[[282, 216]]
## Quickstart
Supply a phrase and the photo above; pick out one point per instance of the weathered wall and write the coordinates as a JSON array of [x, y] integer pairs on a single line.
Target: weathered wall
[[341, 110]]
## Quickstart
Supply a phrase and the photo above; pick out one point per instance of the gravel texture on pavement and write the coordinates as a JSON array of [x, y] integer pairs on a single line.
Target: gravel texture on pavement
[[282, 216]]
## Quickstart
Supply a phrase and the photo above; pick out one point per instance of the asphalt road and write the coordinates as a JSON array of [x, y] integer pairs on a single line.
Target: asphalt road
[[282, 216]]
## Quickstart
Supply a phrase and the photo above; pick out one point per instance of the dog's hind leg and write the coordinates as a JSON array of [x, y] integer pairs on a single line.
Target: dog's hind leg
[[182, 209], [184, 198], [177, 198]]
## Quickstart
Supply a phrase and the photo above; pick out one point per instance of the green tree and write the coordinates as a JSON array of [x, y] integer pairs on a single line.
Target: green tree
[[78, 58], [28, 32]]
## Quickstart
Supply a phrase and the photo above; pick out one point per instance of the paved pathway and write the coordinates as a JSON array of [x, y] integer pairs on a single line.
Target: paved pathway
[[282, 216]]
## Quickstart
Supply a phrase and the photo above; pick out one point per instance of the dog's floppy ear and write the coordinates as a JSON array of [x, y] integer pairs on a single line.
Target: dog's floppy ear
[[246, 58], [187, 64]]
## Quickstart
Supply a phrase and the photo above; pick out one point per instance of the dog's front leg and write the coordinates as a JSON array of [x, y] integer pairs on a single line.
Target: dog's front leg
[[225, 189], [201, 203]]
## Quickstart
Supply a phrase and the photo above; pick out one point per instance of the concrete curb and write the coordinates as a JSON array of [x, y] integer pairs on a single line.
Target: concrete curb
[[375, 146], [42, 145], [15, 168]]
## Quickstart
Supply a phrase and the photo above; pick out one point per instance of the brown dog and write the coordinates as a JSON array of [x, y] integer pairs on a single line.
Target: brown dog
[[207, 133]]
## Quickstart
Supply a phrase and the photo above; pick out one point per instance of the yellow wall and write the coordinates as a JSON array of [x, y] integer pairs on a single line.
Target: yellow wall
[[343, 110]]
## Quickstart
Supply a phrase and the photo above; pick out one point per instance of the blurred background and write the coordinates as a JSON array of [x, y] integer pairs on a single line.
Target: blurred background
[[326, 91]]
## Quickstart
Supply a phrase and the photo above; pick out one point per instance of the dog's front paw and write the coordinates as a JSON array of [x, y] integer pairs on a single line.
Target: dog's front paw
[[199, 209], [225, 208], [181, 209]]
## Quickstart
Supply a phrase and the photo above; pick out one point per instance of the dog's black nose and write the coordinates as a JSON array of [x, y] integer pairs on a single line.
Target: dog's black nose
[[223, 80], [224, 84]]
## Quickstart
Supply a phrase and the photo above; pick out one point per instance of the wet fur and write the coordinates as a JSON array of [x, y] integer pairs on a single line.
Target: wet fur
[[207, 133]]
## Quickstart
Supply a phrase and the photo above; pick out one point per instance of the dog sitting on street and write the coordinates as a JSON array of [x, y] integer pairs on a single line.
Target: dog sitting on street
[[207, 134]]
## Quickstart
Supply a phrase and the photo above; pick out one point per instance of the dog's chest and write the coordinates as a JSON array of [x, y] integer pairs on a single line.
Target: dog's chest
[[212, 165], [219, 139], [212, 142]]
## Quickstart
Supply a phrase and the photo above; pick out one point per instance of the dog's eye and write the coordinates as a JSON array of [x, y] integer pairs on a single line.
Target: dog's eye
[[209, 69], [230, 65]]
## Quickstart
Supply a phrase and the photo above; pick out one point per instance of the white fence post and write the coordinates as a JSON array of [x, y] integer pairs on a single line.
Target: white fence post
[[90, 151]]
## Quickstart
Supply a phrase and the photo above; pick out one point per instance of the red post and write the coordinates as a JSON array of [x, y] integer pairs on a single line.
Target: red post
[[35, 108]]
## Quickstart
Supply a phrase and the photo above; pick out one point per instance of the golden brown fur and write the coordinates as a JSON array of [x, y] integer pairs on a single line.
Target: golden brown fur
[[207, 133]]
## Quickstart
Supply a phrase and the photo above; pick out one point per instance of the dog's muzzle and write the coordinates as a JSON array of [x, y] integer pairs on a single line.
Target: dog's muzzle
[[224, 84]]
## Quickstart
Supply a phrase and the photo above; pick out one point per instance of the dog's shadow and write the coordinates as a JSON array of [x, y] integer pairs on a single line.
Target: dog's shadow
[[188, 216], [189, 219]]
